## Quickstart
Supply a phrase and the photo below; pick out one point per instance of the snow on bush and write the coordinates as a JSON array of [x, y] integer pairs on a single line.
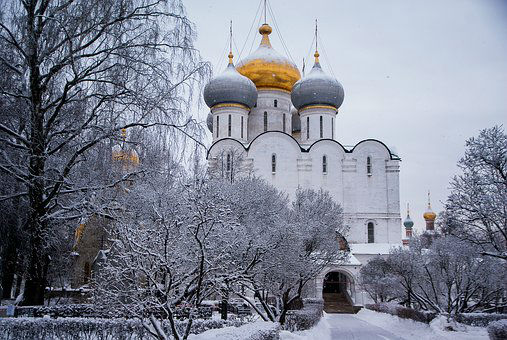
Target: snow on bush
[[479, 319], [497, 330], [260, 330], [94, 328], [305, 318], [402, 312]]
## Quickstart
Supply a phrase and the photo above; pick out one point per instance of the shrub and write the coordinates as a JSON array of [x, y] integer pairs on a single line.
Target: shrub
[[305, 318], [402, 312], [93, 328], [497, 330], [479, 319]]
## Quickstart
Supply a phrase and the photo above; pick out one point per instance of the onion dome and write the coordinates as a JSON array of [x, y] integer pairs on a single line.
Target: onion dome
[[123, 153], [230, 87], [267, 68], [408, 223], [317, 88], [429, 215], [209, 122]]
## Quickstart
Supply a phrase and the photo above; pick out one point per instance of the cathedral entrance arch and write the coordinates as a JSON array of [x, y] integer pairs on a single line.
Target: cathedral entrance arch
[[338, 291]]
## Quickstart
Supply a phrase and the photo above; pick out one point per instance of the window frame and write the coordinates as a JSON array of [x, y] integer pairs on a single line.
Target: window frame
[[370, 230], [242, 133], [218, 126], [321, 127], [229, 126], [307, 127]]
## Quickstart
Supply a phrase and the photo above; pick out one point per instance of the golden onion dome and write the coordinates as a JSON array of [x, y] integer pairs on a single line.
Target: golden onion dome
[[123, 153], [429, 214], [267, 68]]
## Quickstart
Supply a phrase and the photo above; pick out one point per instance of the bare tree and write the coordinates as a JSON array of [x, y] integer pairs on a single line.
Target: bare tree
[[78, 72], [476, 209]]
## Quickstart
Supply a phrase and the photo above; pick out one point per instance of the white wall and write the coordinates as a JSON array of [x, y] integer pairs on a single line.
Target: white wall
[[236, 113], [265, 103], [364, 198]]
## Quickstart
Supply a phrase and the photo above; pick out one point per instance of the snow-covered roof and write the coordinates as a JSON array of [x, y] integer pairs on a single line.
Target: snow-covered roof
[[352, 261], [372, 248]]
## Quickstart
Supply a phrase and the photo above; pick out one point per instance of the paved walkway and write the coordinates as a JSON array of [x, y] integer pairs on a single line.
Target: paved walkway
[[347, 326]]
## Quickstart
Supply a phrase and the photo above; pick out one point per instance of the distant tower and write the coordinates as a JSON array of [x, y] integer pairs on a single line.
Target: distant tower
[[429, 216], [408, 223]]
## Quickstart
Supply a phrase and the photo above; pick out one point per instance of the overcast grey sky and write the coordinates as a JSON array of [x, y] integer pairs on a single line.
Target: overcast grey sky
[[422, 75]]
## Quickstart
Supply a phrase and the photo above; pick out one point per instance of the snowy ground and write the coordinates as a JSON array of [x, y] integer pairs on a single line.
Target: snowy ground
[[370, 325]]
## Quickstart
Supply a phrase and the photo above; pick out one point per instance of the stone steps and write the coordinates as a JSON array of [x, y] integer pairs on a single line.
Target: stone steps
[[338, 303]]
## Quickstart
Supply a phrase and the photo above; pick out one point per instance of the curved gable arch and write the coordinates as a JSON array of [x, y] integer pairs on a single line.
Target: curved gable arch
[[361, 144]]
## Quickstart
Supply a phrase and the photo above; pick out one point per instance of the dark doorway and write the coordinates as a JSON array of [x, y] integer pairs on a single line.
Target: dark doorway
[[334, 292], [335, 282]]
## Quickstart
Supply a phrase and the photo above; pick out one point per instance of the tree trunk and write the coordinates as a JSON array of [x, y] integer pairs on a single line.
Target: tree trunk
[[38, 259]]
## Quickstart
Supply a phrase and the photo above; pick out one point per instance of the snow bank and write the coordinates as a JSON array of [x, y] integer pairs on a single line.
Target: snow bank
[[259, 330], [409, 329]]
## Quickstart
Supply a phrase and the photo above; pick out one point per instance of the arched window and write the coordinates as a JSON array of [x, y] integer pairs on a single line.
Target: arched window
[[368, 165], [241, 126], [275, 104], [265, 121], [321, 127], [324, 164], [273, 163], [229, 125], [307, 127], [228, 162], [371, 232], [284, 122], [218, 124]]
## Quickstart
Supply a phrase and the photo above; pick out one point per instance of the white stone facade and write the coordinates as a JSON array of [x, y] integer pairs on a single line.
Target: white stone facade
[[363, 179]]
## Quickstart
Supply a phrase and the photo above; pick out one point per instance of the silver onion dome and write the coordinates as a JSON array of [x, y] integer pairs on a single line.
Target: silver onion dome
[[317, 88], [230, 87]]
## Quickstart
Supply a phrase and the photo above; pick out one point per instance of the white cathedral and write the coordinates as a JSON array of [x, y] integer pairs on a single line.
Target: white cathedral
[[268, 120]]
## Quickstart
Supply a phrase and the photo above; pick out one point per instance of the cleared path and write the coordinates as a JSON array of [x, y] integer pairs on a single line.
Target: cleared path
[[347, 326]]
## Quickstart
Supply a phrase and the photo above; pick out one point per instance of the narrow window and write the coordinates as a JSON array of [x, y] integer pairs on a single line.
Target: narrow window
[[265, 121], [229, 126], [371, 232], [332, 128], [275, 103], [307, 127], [218, 124], [228, 166], [241, 126], [255, 105], [321, 127], [324, 164], [284, 122], [273, 163], [368, 165]]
